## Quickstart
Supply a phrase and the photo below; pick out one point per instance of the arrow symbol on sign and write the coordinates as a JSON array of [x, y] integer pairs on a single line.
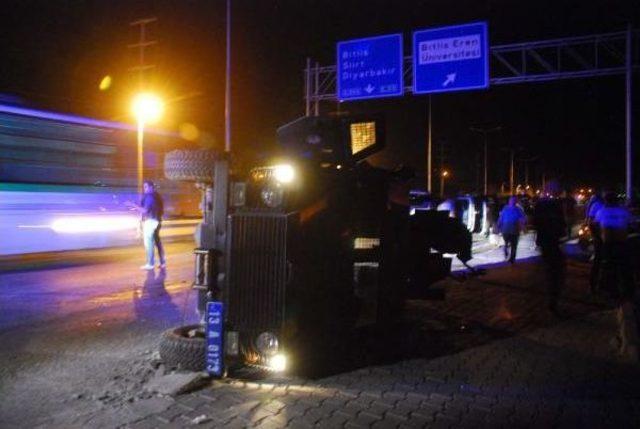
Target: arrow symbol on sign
[[450, 79], [369, 88]]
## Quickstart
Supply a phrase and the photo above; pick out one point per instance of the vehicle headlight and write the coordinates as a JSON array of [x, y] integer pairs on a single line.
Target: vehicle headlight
[[284, 173], [278, 363], [272, 197], [267, 343]]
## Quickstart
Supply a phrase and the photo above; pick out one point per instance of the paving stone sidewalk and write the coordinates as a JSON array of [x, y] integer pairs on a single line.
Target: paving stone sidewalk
[[565, 376], [543, 373]]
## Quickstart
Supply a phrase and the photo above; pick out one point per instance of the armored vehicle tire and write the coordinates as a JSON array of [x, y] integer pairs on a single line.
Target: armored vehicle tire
[[184, 347], [190, 165]]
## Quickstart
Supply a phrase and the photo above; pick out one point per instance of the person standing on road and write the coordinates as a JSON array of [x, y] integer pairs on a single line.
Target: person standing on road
[[548, 219], [616, 272], [511, 222], [151, 209]]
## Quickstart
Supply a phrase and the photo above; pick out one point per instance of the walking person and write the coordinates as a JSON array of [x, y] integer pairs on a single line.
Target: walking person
[[151, 209], [595, 205], [616, 272], [548, 219], [511, 222]]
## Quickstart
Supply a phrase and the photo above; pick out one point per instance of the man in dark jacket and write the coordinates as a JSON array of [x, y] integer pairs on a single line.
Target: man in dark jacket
[[548, 219], [151, 209]]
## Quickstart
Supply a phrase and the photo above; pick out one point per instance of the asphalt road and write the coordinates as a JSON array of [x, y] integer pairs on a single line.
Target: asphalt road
[[78, 330], [102, 286], [105, 287]]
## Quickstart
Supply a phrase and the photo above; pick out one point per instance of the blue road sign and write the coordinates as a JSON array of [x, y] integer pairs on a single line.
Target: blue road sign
[[370, 68], [451, 58], [215, 332]]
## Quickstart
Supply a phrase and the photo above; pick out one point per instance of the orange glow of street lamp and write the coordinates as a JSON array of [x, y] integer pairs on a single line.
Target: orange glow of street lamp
[[147, 108]]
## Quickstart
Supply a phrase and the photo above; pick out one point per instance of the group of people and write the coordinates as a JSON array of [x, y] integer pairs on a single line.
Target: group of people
[[612, 270]]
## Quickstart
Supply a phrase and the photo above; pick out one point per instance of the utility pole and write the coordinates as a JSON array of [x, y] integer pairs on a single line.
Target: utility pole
[[484, 132], [526, 162], [443, 175], [142, 44], [442, 154], [442, 171], [512, 153], [511, 170]]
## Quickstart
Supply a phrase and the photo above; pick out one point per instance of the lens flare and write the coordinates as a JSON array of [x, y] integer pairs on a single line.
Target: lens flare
[[189, 132], [105, 83]]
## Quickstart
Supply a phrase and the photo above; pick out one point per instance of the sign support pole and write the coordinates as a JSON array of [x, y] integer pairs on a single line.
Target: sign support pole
[[628, 119], [429, 145]]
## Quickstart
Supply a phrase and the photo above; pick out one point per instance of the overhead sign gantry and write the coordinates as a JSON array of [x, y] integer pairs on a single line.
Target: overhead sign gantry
[[546, 60]]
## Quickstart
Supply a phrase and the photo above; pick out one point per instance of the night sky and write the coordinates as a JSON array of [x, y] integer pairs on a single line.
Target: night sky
[[54, 54]]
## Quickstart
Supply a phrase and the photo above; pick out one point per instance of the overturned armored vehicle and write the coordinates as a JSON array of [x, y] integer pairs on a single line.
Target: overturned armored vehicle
[[316, 244]]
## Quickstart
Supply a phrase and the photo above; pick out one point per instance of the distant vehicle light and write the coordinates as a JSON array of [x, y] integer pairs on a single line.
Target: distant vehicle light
[[284, 173], [278, 363], [85, 224]]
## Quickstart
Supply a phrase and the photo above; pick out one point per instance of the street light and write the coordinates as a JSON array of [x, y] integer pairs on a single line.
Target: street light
[[147, 109], [443, 175]]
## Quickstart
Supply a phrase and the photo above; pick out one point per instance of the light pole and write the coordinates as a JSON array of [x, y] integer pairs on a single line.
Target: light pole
[[444, 174], [147, 108], [484, 132]]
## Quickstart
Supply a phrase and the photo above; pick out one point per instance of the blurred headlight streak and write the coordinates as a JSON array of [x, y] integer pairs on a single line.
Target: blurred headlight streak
[[84, 224]]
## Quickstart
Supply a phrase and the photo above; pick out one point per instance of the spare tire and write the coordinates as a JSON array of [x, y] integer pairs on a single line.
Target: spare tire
[[184, 347], [190, 165]]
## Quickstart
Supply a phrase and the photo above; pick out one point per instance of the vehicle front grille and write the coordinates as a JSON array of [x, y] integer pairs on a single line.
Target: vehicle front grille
[[257, 271]]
